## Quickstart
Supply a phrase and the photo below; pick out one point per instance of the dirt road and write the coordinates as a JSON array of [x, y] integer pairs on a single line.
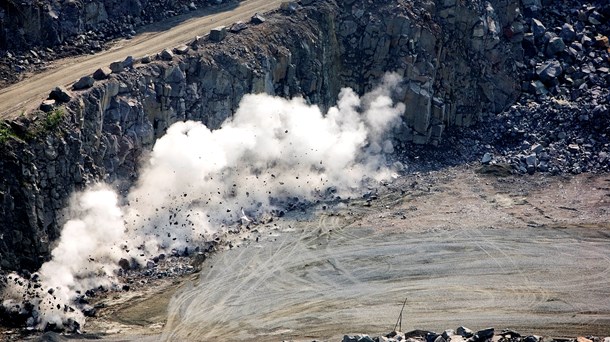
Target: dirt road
[[27, 95]]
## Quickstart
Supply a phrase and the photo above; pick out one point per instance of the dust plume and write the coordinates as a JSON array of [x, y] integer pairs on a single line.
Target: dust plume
[[197, 182]]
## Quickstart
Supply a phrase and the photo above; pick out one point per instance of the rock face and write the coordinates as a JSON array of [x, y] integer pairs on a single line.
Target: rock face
[[453, 56], [457, 67]]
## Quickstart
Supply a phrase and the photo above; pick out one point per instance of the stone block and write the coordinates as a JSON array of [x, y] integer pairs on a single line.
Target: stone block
[[218, 34]]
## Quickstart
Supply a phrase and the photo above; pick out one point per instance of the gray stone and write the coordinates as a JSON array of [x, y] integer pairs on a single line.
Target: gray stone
[[448, 333], [167, 55], [60, 94], [419, 102], [47, 105], [487, 158], [549, 71], [218, 34], [102, 73], [464, 332], [484, 335], [531, 163], [537, 148], [431, 336], [116, 67], [95, 12], [531, 338], [238, 27], [174, 75], [128, 62], [573, 148], [83, 83], [146, 59], [515, 32], [594, 18], [538, 29], [538, 88], [555, 46], [567, 33], [181, 50], [257, 19]]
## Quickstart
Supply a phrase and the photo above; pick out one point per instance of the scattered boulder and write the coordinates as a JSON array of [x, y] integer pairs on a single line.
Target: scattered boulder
[[464, 332], [568, 34], [549, 71], [573, 148], [124, 264], [487, 158], [116, 67], [218, 34], [483, 335], [102, 73], [128, 62], [146, 59], [238, 27], [538, 29], [257, 19], [60, 94], [83, 83], [537, 88], [531, 163], [89, 311], [167, 55], [555, 46], [537, 148], [181, 50], [47, 105]]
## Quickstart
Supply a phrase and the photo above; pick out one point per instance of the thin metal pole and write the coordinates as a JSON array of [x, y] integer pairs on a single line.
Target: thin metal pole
[[399, 321]]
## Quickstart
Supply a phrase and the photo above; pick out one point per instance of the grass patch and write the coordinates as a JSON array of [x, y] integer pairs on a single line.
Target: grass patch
[[54, 118], [6, 133], [46, 124]]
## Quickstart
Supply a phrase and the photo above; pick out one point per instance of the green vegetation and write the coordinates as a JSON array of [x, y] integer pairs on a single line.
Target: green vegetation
[[54, 118], [46, 123], [6, 133]]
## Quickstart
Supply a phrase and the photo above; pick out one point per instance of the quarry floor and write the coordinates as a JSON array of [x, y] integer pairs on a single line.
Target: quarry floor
[[27, 95], [530, 253]]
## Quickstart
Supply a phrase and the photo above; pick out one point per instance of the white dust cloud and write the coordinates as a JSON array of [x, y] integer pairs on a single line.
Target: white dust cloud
[[197, 182]]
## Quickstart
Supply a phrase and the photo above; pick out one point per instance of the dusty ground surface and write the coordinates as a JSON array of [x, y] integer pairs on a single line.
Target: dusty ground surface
[[531, 253], [27, 94]]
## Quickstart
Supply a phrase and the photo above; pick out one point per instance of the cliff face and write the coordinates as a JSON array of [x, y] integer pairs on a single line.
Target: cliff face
[[455, 61]]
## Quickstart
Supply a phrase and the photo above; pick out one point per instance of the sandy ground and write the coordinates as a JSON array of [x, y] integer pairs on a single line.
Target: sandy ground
[[28, 94], [531, 253]]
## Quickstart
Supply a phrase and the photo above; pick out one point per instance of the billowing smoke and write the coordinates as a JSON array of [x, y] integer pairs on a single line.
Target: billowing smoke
[[197, 182]]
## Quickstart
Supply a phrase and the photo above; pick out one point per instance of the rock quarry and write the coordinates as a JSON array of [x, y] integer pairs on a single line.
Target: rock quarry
[[523, 85]]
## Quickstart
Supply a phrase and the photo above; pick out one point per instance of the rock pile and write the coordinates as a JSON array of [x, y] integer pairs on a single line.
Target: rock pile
[[561, 123], [463, 334]]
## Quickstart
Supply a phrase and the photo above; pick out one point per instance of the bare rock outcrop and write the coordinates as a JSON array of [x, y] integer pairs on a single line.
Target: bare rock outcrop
[[456, 65]]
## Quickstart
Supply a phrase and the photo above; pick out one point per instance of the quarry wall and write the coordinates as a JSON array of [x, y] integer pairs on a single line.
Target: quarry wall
[[457, 59]]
